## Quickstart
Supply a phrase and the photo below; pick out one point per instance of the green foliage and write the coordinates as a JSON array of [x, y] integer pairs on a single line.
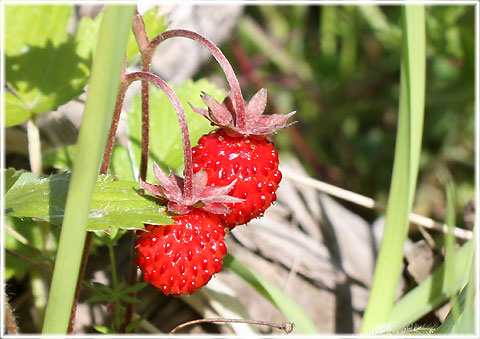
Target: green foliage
[[114, 203], [289, 308], [15, 111], [107, 295], [165, 139], [45, 66], [11, 176], [433, 291], [121, 164], [349, 120], [17, 250]]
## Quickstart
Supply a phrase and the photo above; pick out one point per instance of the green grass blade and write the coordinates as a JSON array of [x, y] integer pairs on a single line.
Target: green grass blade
[[289, 308], [450, 275], [433, 291], [405, 168], [107, 64]]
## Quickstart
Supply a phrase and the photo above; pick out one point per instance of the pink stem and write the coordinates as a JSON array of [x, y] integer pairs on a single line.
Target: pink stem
[[182, 120], [221, 59], [138, 28]]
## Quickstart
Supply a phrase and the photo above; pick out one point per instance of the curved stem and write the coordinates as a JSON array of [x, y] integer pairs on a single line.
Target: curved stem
[[114, 126], [286, 327], [177, 105], [221, 59]]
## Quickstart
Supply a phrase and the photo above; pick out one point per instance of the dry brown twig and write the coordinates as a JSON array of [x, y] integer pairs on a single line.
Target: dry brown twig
[[286, 327], [370, 203]]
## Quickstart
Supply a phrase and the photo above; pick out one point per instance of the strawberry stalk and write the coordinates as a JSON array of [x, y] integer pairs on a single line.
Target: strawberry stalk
[[140, 33], [138, 28], [221, 59], [182, 120]]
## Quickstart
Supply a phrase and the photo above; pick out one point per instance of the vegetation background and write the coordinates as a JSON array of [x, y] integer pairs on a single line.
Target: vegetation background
[[337, 66]]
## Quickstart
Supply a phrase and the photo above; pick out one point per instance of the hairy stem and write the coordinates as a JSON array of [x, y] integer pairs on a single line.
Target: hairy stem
[[187, 148], [145, 122], [140, 33], [114, 126], [221, 59]]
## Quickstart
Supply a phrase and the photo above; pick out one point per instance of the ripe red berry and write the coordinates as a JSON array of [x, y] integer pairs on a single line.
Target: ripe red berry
[[182, 257], [241, 152], [252, 162]]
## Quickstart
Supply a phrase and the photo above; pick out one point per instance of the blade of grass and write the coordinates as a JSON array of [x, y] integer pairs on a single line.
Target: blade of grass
[[464, 321], [433, 291], [450, 276], [386, 32], [107, 64], [289, 308], [405, 169]]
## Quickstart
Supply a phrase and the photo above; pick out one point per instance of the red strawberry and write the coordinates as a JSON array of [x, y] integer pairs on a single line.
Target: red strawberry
[[240, 151], [182, 257], [253, 162]]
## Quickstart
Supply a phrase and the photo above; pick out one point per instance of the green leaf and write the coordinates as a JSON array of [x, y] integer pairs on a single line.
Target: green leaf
[[34, 26], [11, 177], [98, 288], [103, 329], [114, 203], [60, 158], [45, 66], [165, 139], [129, 299], [134, 288], [14, 266], [120, 163], [155, 24], [15, 111], [27, 177], [134, 324], [289, 308], [98, 298]]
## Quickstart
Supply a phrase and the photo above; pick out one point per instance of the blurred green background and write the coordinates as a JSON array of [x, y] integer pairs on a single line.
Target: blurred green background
[[339, 68]]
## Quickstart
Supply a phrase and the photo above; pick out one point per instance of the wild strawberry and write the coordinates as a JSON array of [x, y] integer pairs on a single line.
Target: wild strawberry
[[182, 257], [252, 162], [240, 151]]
